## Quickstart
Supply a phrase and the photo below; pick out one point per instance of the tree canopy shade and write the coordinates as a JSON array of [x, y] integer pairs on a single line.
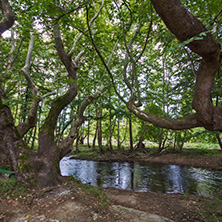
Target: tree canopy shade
[[60, 68], [187, 28]]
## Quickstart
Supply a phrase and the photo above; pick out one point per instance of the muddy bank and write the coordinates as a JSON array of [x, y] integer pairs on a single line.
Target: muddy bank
[[185, 158]]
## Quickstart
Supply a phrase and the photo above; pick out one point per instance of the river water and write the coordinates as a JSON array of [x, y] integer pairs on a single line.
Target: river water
[[145, 177]]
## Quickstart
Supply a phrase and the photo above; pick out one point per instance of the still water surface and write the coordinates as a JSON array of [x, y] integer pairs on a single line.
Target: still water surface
[[145, 177]]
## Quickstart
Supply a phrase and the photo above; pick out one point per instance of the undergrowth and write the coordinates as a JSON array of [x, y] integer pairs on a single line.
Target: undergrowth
[[213, 211], [88, 190], [12, 188]]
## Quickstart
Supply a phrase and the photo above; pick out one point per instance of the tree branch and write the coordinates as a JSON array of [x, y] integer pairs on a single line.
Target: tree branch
[[175, 124], [103, 61], [67, 143], [27, 66], [186, 26], [81, 34], [24, 127]]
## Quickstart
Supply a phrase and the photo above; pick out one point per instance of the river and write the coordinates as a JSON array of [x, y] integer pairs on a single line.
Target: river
[[144, 177]]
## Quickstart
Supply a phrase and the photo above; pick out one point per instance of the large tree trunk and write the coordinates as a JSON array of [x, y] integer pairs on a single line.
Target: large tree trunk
[[26, 164]]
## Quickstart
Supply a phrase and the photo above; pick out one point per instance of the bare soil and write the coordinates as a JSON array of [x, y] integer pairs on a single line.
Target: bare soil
[[73, 202]]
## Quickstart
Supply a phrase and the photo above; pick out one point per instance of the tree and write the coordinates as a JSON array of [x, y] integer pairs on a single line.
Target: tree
[[42, 166], [193, 34], [187, 27]]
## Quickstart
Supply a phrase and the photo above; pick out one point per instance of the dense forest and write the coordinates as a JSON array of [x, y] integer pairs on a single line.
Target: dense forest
[[107, 72]]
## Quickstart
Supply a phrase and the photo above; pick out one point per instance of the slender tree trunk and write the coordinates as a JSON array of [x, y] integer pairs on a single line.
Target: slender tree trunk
[[88, 130], [99, 131], [140, 143], [33, 137], [118, 134], [219, 140], [130, 133], [77, 141], [94, 139]]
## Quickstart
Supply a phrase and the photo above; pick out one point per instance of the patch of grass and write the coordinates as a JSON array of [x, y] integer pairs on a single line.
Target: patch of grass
[[5, 167], [213, 211], [98, 194], [201, 152], [100, 197], [10, 187], [86, 155], [201, 146]]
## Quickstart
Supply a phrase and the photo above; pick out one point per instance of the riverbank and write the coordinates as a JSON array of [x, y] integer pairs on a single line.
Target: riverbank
[[73, 201], [70, 202]]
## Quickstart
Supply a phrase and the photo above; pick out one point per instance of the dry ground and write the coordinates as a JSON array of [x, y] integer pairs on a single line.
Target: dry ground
[[76, 202]]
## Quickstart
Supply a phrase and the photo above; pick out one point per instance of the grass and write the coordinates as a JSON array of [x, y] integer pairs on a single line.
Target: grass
[[88, 190], [10, 187], [194, 149], [212, 211], [86, 154], [201, 146], [201, 152]]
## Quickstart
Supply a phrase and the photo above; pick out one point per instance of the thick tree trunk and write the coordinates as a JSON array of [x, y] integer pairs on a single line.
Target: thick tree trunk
[[27, 165]]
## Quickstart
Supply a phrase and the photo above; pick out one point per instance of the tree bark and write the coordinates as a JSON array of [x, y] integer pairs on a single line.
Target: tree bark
[[8, 16]]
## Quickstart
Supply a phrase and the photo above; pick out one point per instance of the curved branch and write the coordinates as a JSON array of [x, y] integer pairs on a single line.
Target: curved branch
[[8, 16], [185, 25], [167, 123], [27, 66], [24, 127], [103, 61], [60, 102], [66, 144]]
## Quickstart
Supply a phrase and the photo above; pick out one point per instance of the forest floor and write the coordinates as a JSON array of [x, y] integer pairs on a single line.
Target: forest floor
[[73, 201]]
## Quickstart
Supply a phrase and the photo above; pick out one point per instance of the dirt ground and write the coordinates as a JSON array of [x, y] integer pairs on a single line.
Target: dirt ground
[[70, 201]]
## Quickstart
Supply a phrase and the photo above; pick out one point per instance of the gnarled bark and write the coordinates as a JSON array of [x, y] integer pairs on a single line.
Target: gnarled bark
[[8, 16]]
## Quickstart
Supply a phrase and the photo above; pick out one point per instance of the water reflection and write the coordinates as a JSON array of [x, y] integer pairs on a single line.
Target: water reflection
[[145, 177]]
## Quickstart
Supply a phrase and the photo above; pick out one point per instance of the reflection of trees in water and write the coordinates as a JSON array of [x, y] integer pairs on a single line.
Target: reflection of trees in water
[[144, 177], [208, 183]]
